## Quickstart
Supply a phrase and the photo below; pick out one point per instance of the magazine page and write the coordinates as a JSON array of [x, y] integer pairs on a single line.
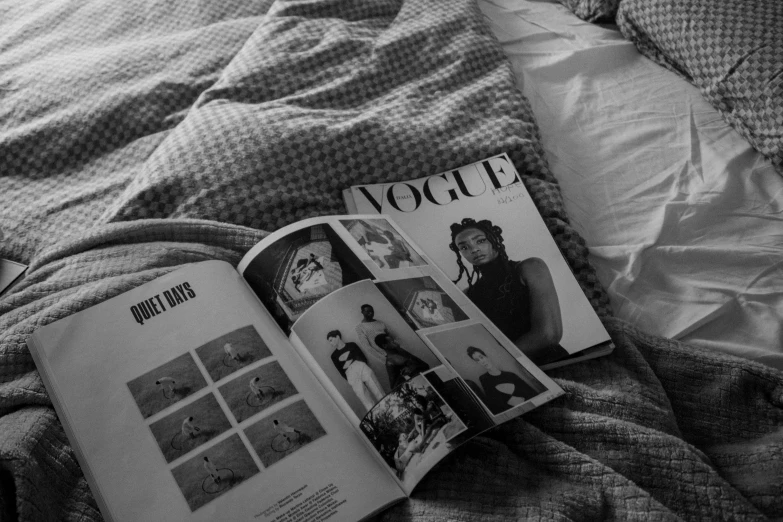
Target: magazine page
[[479, 225], [411, 360], [184, 401], [10, 273]]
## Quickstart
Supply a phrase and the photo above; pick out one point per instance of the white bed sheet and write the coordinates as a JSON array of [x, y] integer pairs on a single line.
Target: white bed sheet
[[684, 220]]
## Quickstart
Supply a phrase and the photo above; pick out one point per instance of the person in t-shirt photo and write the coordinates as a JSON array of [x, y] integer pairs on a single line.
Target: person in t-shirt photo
[[351, 362], [502, 389]]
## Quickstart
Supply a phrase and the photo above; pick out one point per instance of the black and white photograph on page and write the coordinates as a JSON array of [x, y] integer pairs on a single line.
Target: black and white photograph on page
[[362, 344], [297, 270], [232, 352], [422, 302], [501, 382], [519, 297], [284, 432], [214, 471], [253, 392], [189, 427], [166, 385], [411, 428], [385, 246]]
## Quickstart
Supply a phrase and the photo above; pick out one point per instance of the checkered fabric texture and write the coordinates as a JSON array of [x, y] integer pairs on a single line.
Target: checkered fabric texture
[[732, 50], [139, 136], [253, 118], [593, 10]]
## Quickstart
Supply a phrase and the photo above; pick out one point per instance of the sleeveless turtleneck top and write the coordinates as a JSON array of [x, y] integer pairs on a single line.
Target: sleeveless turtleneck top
[[502, 297]]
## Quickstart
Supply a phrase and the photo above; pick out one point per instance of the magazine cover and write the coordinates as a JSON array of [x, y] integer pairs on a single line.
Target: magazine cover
[[479, 225]]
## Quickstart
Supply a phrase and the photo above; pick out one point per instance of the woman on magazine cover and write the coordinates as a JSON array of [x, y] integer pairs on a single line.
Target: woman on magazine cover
[[519, 297]]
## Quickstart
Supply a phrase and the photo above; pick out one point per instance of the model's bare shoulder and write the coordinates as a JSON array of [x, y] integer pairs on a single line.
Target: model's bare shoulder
[[532, 268]]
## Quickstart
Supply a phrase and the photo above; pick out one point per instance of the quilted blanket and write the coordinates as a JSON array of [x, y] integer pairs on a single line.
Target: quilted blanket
[[731, 50], [142, 135]]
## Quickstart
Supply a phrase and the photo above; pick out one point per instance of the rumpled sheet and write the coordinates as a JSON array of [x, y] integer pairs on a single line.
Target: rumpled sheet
[[137, 137], [683, 219]]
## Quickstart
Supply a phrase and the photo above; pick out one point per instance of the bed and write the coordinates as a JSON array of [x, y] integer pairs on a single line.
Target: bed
[[139, 136]]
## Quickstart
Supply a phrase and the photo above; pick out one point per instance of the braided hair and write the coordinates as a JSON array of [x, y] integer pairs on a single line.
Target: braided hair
[[494, 236]]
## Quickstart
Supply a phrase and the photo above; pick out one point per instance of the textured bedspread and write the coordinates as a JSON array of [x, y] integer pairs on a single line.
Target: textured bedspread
[[139, 136]]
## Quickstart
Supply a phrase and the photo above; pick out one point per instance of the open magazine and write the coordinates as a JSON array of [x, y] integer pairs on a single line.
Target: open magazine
[[479, 225], [321, 379]]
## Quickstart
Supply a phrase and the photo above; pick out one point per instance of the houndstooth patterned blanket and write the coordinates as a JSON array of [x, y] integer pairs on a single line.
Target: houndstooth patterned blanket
[[142, 135], [732, 50]]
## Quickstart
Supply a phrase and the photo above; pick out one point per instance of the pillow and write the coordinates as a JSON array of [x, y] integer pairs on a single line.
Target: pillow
[[732, 50]]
